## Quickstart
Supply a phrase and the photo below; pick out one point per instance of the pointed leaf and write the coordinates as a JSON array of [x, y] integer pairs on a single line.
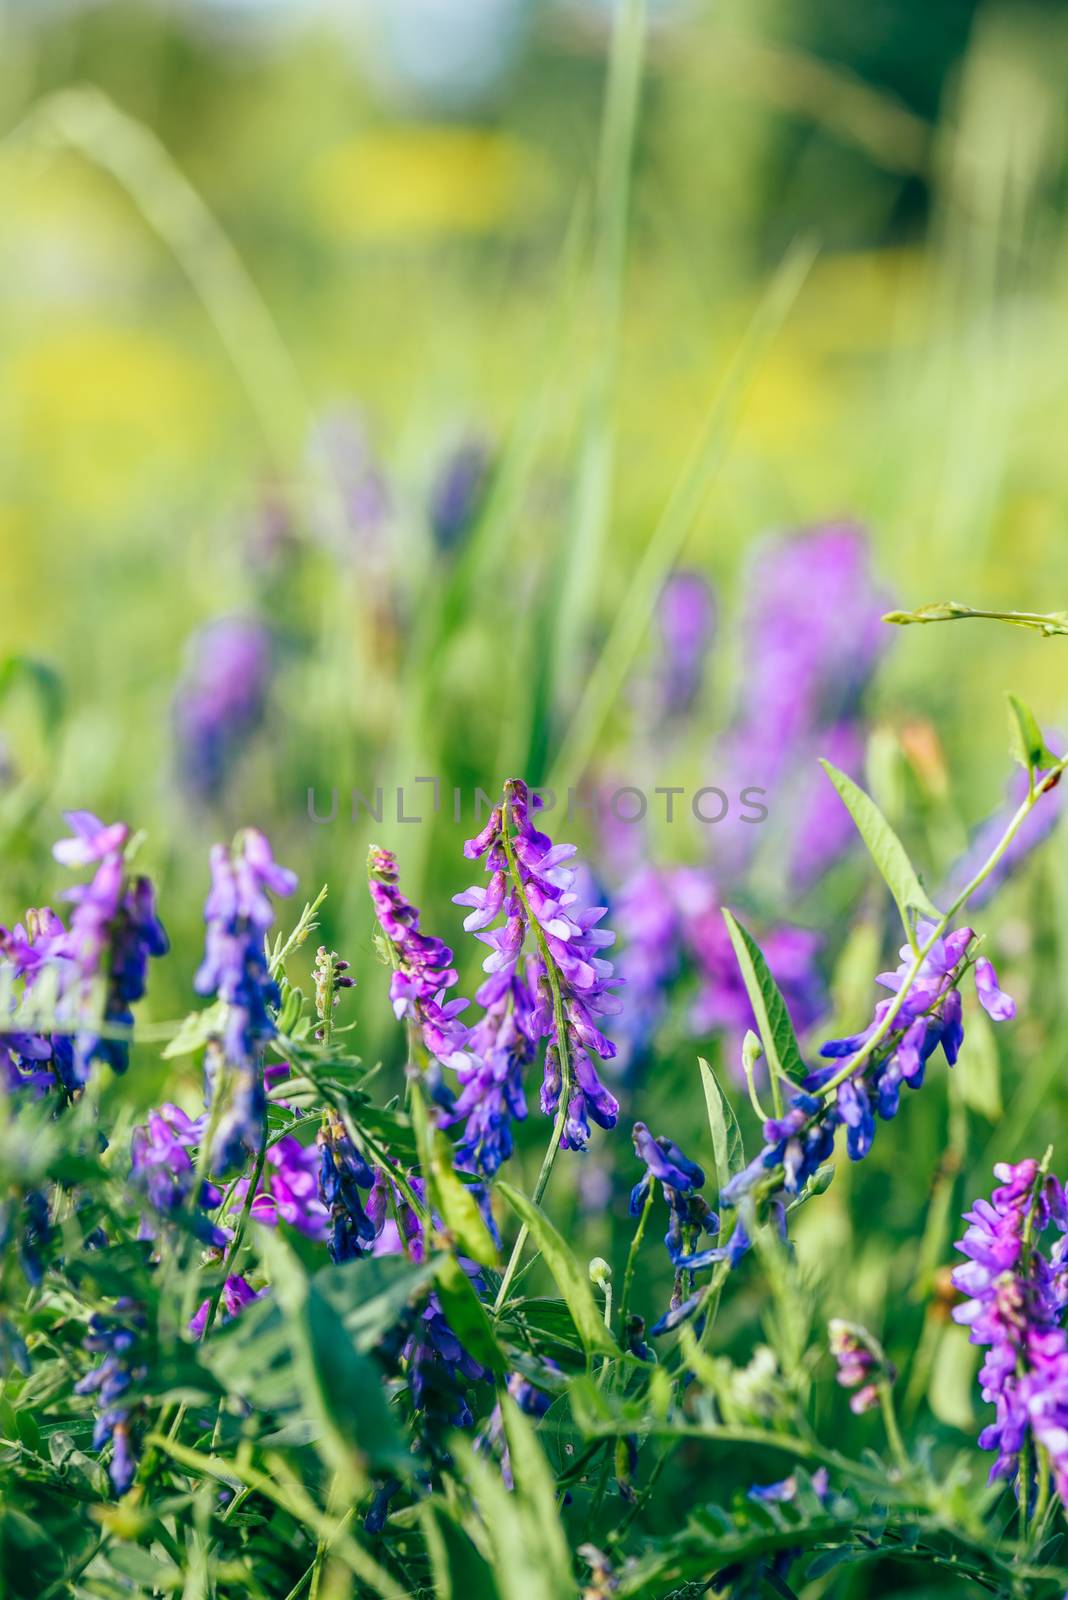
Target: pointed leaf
[[536, 1487], [726, 1134], [572, 1282], [884, 847], [773, 1020], [457, 1204], [1029, 748]]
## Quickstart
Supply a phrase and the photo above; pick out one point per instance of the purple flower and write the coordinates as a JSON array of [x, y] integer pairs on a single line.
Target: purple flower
[[237, 914], [502, 1045], [236, 1295], [423, 974], [687, 615], [343, 1172], [811, 639], [1001, 1007], [114, 931], [689, 1214], [220, 701], [25, 1219], [1032, 832], [650, 924], [1013, 1308], [457, 493], [722, 1003], [288, 1190], [118, 1340], [861, 1366], [163, 1171], [540, 889]]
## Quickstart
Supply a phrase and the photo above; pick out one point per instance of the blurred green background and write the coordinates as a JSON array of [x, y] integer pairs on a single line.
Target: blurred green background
[[267, 267]]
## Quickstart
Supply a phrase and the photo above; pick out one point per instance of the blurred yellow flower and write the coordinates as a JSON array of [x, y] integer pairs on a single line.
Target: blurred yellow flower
[[100, 404], [426, 179]]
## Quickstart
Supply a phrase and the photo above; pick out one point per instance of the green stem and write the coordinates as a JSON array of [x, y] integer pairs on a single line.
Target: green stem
[[893, 1432], [632, 1260]]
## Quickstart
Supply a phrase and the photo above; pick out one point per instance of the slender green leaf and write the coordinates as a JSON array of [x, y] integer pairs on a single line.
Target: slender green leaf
[[726, 1134], [885, 848], [773, 1020], [536, 1485], [1029, 748], [342, 1389], [571, 1280], [458, 1570], [457, 1204]]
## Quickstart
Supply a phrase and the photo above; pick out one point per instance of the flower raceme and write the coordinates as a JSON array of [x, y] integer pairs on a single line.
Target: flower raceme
[[866, 1071], [571, 986], [1016, 1298]]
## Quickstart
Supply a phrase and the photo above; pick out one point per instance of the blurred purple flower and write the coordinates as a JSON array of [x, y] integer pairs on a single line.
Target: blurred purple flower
[[220, 701], [457, 493], [687, 615]]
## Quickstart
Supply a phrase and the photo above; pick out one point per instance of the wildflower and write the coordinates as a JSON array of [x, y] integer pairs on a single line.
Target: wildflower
[[686, 614], [343, 1172], [423, 974], [689, 1216], [237, 914], [457, 493], [114, 931], [288, 1190], [163, 1170], [811, 639], [502, 1045], [650, 925], [220, 701], [117, 1340], [722, 1004], [529, 883], [1013, 1308], [861, 1365], [237, 1293], [1032, 832], [25, 1219], [798, 1143]]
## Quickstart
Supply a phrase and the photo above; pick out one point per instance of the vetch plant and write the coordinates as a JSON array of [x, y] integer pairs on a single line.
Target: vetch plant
[[362, 1345]]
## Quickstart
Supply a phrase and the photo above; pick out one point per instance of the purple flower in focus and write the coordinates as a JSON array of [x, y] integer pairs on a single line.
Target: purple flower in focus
[[689, 1213], [502, 1044], [1015, 1300], [567, 934], [220, 701], [114, 931], [343, 1172], [422, 976]]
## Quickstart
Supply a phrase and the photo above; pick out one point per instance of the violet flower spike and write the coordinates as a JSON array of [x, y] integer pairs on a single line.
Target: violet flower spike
[[535, 892]]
